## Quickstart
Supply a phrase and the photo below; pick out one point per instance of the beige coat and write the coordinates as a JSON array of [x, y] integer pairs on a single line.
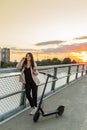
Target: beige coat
[[34, 73]]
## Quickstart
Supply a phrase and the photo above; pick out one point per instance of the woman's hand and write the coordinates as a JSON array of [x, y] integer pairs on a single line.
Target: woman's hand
[[35, 72], [23, 59], [19, 65]]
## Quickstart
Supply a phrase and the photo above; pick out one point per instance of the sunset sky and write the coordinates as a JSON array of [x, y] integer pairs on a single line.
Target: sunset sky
[[48, 28]]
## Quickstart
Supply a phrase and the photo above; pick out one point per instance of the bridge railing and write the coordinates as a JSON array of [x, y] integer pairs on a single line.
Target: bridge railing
[[12, 92]]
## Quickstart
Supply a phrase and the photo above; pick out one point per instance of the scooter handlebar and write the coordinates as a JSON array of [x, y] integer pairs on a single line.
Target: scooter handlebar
[[49, 75]]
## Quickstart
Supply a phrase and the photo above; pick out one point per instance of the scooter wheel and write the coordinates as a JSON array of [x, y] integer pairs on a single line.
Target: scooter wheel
[[36, 116], [60, 110]]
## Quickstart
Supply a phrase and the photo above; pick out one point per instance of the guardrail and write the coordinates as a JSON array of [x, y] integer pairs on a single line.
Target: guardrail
[[12, 92]]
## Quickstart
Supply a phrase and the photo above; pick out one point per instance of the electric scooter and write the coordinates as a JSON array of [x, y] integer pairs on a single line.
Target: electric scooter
[[59, 111]]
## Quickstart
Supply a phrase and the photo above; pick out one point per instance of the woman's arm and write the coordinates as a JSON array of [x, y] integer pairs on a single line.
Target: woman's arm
[[35, 70]]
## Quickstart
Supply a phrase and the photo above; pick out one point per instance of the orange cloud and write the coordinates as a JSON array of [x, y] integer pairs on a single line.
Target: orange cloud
[[74, 51], [80, 56]]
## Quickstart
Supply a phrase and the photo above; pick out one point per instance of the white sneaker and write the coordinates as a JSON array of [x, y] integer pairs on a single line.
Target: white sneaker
[[33, 111]]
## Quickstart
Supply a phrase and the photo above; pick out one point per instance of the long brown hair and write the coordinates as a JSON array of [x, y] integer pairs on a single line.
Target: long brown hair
[[32, 60]]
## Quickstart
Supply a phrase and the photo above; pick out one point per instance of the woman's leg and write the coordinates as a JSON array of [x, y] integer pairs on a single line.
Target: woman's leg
[[28, 94], [34, 94]]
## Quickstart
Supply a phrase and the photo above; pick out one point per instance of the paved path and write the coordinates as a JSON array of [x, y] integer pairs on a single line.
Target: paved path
[[74, 97]]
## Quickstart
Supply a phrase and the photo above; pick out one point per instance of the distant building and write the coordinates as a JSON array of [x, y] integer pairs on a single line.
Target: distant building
[[5, 54]]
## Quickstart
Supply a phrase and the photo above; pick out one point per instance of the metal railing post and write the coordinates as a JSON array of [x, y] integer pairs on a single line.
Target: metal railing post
[[53, 83], [68, 75], [82, 70], [77, 72], [23, 97], [86, 70]]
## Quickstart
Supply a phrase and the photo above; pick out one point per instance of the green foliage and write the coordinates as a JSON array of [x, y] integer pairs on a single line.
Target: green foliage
[[8, 64], [66, 61], [55, 61]]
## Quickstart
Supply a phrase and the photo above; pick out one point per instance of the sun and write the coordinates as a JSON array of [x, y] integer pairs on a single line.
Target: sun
[[84, 59], [83, 56], [80, 56]]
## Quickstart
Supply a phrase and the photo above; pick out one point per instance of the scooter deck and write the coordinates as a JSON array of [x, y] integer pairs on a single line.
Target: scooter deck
[[50, 113], [58, 111]]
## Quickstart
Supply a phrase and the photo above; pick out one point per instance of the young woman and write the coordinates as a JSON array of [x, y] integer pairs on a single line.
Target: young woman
[[29, 78]]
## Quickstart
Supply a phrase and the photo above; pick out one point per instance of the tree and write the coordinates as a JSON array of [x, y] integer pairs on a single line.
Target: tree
[[66, 61], [73, 61], [56, 61]]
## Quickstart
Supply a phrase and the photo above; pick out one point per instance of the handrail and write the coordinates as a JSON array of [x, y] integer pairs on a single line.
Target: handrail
[[14, 93]]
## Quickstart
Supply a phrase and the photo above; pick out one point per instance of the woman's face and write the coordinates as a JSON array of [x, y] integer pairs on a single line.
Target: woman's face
[[28, 57]]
